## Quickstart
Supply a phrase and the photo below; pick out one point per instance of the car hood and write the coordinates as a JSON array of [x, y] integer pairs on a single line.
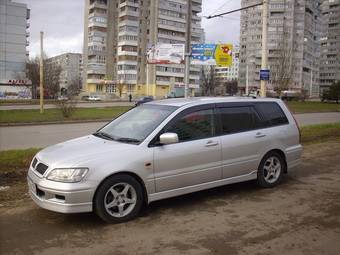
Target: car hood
[[80, 151]]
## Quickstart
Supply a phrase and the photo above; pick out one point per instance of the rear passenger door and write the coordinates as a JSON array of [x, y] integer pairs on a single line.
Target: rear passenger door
[[241, 138]]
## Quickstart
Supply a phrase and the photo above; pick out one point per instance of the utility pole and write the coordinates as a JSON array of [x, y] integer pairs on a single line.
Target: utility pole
[[311, 83], [187, 49], [41, 73], [264, 58], [247, 81]]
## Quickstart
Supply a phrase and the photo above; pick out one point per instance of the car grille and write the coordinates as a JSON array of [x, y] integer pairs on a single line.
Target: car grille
[[41, 168]]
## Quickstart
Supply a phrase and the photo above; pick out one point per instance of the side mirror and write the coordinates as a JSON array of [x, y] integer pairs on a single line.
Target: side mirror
[[168, 138]]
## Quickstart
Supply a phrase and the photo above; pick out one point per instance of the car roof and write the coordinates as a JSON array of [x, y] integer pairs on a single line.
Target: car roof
[[179, 102]]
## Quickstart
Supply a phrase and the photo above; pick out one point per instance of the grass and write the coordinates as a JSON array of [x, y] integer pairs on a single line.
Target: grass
[[309, 107], [13, 160], [320, 133], [24, 116]]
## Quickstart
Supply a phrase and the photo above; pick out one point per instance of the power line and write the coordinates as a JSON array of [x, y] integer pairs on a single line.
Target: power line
[[236, 10], [224, 4]]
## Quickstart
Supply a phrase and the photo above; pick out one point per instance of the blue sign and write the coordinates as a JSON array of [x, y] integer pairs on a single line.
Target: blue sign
[[264, 75]]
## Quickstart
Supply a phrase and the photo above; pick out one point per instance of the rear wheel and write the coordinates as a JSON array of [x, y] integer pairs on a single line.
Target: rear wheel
[[270, 170], [118, 199]]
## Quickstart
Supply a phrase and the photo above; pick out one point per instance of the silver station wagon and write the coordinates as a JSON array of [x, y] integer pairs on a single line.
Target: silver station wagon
[[164, 149]]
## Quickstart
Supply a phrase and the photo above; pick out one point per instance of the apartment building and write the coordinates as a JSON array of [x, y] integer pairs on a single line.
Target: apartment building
[[14, 34], [330, 44], [117, 36], [71, 69], [225, 74], [294, 31]]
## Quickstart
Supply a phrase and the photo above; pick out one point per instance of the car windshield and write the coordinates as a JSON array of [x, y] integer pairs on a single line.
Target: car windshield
[[135, 125]]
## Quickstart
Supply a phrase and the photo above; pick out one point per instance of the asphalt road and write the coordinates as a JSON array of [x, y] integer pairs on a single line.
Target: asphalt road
[[300, 216], [79, 105], [21, 137]]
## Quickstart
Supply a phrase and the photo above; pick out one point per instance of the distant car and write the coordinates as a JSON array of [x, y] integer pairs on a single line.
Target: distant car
[[143, 100], [93, 98], [61, 98], [85, 97]]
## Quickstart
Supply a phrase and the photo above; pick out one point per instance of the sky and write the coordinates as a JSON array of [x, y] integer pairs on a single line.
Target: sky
[[62, 23]]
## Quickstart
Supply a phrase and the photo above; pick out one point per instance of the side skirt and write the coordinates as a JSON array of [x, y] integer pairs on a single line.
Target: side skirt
[[185, 190]]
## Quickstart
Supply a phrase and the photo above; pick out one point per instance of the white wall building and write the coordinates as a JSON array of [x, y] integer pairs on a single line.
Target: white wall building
[[13, 53]]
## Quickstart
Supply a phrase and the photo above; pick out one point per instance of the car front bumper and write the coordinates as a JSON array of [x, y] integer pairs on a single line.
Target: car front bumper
[[60, 197]]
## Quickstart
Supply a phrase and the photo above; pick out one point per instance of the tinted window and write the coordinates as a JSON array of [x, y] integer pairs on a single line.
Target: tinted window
[[194, 125], [271, 113], [236, 119]]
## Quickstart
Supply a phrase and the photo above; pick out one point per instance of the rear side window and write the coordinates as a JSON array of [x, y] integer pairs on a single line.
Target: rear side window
[[271, 113], [236, 119]]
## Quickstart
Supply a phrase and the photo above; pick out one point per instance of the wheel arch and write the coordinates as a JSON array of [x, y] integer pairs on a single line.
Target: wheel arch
[[282, 154], [132, 174]]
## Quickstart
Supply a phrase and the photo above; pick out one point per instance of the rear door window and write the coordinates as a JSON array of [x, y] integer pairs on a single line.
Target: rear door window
[[236, 119], [271, 113]]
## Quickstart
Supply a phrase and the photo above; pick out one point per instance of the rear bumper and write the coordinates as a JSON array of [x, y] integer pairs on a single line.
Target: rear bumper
[[293, 156], [59, 199]]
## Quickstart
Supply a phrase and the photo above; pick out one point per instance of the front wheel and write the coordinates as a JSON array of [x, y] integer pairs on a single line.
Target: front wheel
[[270, 170], [118, 199]]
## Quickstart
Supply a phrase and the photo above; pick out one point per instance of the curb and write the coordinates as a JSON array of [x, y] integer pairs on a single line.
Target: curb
[[52, 122]]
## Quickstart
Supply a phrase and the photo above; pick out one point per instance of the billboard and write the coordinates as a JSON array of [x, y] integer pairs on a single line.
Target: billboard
[[212, 54], [166, 54]]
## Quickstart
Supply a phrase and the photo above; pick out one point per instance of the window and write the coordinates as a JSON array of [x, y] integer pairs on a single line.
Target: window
[[193, 126], [236, 119], [271, 113]]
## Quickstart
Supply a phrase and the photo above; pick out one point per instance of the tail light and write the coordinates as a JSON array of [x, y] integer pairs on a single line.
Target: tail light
[[297, 124]]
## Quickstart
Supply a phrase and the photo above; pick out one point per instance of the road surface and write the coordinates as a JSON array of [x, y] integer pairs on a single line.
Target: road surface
[[79, 105], [21, 137], [300, 216]]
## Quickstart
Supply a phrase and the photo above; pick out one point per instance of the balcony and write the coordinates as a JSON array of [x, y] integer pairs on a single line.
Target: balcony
[[95, 68], [99, 5], [97, 24], [96, 53]]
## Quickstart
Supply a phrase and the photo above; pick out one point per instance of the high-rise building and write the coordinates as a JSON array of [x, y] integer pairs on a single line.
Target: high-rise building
[[117, 36], [13, 53], [71, 69], [330, 44], [225, 74], [294, 28]]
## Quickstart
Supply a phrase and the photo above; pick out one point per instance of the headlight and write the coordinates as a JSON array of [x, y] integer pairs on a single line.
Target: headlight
[[67, 174]]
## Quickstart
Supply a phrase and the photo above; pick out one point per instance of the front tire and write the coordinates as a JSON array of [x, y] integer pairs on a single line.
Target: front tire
[[118, 199], [270, 171]]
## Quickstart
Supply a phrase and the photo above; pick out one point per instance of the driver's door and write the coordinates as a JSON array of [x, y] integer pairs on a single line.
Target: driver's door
[[196, 158]]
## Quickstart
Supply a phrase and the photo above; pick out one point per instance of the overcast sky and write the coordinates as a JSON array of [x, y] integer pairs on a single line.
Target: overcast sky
[[62, 23]]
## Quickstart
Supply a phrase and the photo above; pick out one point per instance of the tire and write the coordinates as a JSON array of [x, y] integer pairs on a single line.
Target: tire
[[270, 170], [118, 199]]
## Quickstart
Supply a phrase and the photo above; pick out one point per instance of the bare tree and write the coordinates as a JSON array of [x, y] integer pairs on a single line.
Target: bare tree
[[67, 105], [73, 88], [51, 76], [209, 83], [231, 87], [120, 87], [52, 73], [282, 66], [32, 72]]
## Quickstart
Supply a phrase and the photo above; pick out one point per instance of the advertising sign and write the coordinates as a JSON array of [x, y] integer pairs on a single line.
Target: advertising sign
[[264, 75], [212, 54], [166, 54]]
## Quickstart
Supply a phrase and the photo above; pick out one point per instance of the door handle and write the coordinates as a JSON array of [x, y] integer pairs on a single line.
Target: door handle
[[259, 135], [211, 143]]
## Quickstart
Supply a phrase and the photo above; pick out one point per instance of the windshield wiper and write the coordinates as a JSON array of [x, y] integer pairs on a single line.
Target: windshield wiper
[[127, 140], [104, 135]]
